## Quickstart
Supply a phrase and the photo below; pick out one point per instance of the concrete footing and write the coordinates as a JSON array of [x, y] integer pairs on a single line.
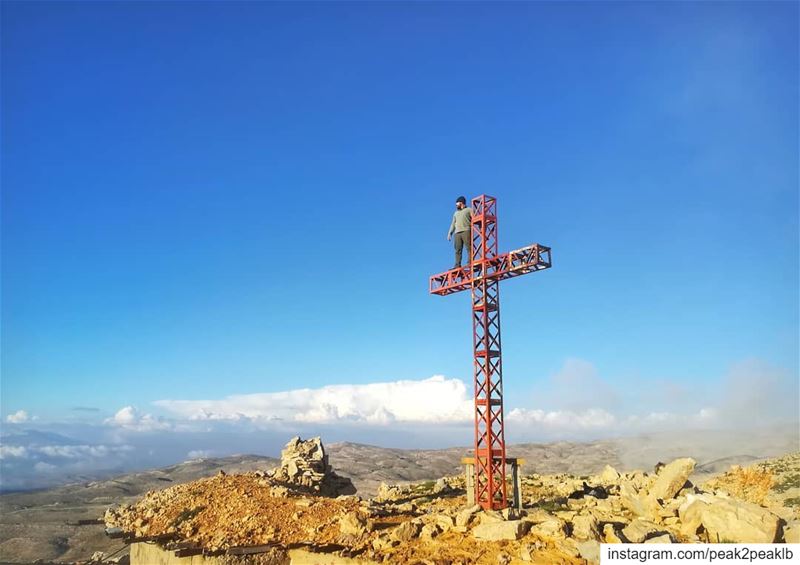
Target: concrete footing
[[515, 463]]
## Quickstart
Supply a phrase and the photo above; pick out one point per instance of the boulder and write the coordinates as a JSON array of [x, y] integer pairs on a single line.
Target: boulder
[[609, 476], [406, 531], [353, 524], [537, 515], [638, 502], [671, 478], [465, 515], [729, 520], [589, 550], [567, 546], [552, 528], [443, 521], [585, 527], [639, 530], [507, 530], [489, 516], [429, 531], [388, 493], [442, 486]]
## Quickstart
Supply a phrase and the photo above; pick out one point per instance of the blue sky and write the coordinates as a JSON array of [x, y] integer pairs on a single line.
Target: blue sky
[[211, 199]]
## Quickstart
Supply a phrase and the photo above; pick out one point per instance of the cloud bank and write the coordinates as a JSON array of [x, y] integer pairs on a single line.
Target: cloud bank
[[575, 403], [433, 400]]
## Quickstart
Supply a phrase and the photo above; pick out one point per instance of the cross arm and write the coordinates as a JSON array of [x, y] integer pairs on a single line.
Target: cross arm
[[522, 261]]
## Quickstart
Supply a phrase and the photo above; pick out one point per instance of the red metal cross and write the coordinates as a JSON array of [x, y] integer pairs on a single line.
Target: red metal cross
[[482, 275]]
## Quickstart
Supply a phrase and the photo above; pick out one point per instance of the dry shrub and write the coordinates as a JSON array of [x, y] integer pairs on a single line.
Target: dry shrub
[[752, 484]]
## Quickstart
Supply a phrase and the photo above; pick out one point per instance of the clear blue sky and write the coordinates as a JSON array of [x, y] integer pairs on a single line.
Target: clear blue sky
[[210, 199]]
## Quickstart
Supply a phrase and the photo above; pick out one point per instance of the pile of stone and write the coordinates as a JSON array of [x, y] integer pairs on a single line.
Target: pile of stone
[[576, 514], [304, 464]]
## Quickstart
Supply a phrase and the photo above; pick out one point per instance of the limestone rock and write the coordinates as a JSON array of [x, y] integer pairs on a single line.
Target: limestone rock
[[567, 546], [585, 527], [442, 486], [671, 478], [383, 542], [464, 516], [443, 521], [353, 524], [729, 520], [589, 550], [406, 531], [506, 530], [490, 516], [429, 531], [638, 502], [639, 530], [553, 528], [609, 475], [537, 515]]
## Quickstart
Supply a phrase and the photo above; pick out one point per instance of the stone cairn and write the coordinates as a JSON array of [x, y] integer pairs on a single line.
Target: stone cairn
[[304, 465]]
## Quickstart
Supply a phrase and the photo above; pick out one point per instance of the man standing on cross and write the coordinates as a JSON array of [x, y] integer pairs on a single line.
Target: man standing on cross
[[462, 227]]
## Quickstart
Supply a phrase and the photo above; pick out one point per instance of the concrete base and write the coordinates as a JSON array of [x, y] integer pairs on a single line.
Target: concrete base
[[516, 463]]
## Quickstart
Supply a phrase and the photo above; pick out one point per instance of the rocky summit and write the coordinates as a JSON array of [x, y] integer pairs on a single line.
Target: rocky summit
[[564, 518]]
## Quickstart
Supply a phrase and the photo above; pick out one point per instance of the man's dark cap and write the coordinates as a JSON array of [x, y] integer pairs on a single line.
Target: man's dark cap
[[462, 200]]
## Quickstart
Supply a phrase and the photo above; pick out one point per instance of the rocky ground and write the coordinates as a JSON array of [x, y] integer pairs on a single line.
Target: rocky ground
[[43, 524], [564, 517]]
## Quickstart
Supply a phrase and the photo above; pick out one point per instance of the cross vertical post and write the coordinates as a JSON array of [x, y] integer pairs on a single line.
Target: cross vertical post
[[482, 276], [490, 446]]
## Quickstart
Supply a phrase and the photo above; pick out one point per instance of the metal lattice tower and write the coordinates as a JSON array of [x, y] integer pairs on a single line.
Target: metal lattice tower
[[482, 276]]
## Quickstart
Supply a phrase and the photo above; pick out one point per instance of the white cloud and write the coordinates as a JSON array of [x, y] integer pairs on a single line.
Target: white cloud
[[199, 454], [575, 400], [8, 451], [125, 416], [18, 417], [592, 418], [42, 467], [433, 400], [129, 418], [81, 451]]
